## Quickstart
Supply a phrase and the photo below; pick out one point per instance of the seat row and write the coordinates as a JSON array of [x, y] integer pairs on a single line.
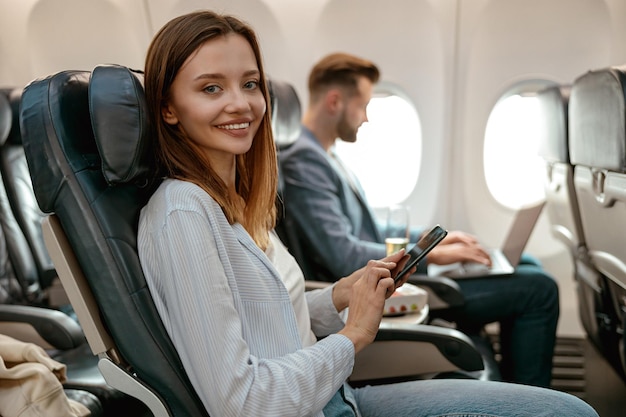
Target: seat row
[[32, 294], [584, 149], [84, 135]]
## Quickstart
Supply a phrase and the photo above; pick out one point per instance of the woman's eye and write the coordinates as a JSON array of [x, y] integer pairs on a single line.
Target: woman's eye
[[250, 85], [211, 89]]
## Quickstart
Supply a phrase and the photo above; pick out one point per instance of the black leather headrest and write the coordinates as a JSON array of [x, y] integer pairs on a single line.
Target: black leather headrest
[[6, 119], [553, 128], [119, 120], [286, 113], [597, 119], [14, 95]]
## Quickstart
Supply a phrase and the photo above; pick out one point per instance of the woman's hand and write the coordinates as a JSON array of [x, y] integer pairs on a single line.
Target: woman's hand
[[367, 290], [343, 288]]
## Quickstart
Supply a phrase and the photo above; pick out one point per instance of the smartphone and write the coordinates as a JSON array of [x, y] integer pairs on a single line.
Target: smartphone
[[426, 243]]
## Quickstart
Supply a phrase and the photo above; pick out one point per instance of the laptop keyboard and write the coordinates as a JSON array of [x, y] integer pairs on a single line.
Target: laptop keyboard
[[476, 267]]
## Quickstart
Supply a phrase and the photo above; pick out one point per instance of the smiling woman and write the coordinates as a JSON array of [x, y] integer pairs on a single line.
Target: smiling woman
[[216, 82]]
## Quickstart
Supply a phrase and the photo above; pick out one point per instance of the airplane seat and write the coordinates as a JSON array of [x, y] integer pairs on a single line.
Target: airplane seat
[[20, 284], [286, 111], [20, 318], [597, 128], [92, 183], [26, 212], [563, 211]]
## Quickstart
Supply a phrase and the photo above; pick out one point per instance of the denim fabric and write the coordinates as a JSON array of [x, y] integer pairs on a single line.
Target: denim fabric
[[471, 398], [526, 304], [339, 405]]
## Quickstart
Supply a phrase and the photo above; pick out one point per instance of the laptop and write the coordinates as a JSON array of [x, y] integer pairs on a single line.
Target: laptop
[[505, 259]]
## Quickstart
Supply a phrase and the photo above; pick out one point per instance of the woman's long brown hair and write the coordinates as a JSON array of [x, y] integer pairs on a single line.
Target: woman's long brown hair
[[180, 157]]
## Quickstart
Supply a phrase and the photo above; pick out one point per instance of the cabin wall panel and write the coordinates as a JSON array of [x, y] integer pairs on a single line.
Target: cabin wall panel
[[502, 44], [47, 36], [264, 16]]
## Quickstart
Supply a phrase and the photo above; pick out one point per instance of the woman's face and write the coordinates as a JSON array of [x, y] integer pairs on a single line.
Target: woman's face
[[216, 99]]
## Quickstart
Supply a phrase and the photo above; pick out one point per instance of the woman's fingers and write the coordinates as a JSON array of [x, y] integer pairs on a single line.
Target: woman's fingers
[[367, 302]]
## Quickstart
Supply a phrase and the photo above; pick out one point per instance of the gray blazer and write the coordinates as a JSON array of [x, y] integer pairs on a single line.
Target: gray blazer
[[336, 228]]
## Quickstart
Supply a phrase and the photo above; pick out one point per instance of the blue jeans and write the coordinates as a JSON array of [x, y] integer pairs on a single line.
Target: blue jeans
[[465, 397], [526, 304]]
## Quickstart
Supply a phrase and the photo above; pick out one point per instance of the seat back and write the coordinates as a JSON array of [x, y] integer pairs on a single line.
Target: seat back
[[597, 126], [19, 278], [93, 183], [29, 262], [286, 126], [19, 190], [561, 203], [563, 210]]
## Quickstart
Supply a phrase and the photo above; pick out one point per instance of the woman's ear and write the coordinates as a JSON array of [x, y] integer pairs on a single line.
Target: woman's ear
[[169, 115]]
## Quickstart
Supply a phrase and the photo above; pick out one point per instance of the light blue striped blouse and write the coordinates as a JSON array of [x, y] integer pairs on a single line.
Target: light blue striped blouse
[[243, 334]]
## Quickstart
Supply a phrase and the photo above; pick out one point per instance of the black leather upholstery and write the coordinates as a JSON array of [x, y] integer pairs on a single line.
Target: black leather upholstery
[[286, 126], [99, 214], [597, 127], [20, 279], [5, 118], [286, 112], [19, 189], [55, 328], [120, 115]]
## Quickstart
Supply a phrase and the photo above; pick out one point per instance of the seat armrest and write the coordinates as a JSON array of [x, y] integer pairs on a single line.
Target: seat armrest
[[443, 292], [45, 327], [410, 351], [315, 285], [454, 345]]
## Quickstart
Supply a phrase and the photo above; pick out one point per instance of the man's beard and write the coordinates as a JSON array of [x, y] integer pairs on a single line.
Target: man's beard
[[346, 132]]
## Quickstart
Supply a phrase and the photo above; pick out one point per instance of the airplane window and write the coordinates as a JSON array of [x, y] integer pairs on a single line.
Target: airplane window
[[388, 147], [513, 170]]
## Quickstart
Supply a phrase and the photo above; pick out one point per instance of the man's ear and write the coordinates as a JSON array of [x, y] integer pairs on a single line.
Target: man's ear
[[333, 100], [169, 115]]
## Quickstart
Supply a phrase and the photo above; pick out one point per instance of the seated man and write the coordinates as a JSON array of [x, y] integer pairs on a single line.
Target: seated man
[[338, 231]]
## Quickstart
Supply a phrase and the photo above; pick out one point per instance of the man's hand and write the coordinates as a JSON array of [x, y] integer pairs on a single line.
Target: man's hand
[[459, 247]]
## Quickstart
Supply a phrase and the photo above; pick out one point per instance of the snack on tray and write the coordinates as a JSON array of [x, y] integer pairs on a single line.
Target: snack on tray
[[407, 299]]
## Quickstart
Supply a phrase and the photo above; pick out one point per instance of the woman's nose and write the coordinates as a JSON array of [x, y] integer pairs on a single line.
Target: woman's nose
[[238, 101]]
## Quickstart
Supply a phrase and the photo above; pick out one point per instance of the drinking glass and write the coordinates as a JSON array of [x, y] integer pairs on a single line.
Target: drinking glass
[[397, 228]]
